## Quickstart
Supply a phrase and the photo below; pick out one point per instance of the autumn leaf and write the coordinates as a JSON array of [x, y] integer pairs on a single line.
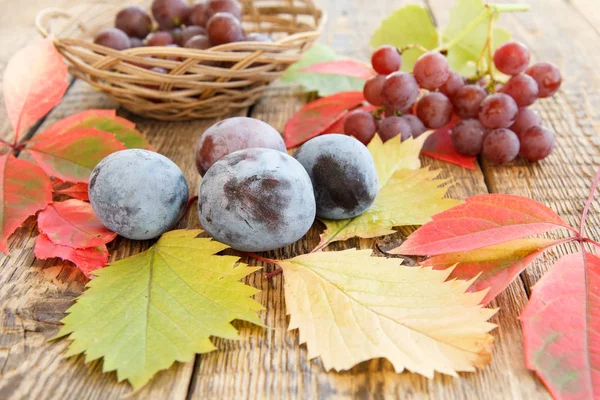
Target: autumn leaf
[[34, 81], [317, 116], [350, 307], [407, 195], [102, 120], [492, 267], [439, 146], [77, 191], [147, 311], [86, 259], [560, 328], [484, 220], [352, 68], [73, 223], [24, 190], [72, 156]]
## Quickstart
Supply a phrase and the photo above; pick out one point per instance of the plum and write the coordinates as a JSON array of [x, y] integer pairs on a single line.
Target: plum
[[234, 134], [138, 193], [256, 200], [343, 175]]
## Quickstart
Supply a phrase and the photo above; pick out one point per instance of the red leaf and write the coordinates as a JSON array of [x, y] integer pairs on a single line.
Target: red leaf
[[338, 126], [87, 260], [484, 220], [72, 156], [318, 115], [34, 82], [77, 191], [355, 69], [561, 328], [73, 223], [102, 120], [24, 189], [494, 267], [439, 145]]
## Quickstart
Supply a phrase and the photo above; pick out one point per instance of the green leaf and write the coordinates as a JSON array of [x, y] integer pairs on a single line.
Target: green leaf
[[323, 84], [408, 25], [144, 312], [463, 55]]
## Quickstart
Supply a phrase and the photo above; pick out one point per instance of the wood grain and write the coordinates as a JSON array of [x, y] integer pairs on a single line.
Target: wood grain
[[270, 363]]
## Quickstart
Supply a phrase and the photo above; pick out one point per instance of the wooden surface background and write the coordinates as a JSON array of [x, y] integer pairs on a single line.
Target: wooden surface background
[[270, 363]]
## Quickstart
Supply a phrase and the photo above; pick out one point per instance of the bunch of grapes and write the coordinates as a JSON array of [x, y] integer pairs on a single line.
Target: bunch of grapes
[[177, 23], [495, 119]]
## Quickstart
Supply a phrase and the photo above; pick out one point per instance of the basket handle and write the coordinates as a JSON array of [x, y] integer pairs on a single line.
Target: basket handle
[[41, 20]]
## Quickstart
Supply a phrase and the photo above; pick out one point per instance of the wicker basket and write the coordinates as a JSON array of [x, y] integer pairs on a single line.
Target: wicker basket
[[194, 87]]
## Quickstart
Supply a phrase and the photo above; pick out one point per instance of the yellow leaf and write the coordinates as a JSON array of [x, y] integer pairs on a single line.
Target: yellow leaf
[[351, 307], [144, 312], [407, 195]]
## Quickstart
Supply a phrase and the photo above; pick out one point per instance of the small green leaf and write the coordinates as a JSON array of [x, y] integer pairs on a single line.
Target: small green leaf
[[324, 84], [147, 311], [408, 25], [464, 54]]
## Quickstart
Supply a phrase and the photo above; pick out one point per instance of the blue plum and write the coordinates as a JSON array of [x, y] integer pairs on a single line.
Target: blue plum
[[343, 175], [138, 193], [256, 200]]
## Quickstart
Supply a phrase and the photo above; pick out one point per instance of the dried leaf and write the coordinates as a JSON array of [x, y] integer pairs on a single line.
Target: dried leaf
[[351, 307], [484, 220], [73, 223], [72, 156], [560, 328], [407, 195], [147, 311], [24, 190], [352, 68], [493, 267], [439, 146], [315, 117], [34, 81], [77, 191], [87, 259]]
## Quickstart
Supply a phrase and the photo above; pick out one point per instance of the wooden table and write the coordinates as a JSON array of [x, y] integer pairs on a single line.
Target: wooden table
[[269, 363]]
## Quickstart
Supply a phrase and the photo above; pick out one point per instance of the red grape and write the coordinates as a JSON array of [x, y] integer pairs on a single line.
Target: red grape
[[547, 77], [498, 111], [200, 42], [511, 58], [258, 37], [467, 137], [160, 38], [386, 60], [393, 126], [416, 125], [372, 89], [431, 70], [228, 6], [526, 118], [537, 143], [170, 13], [361, 125], [501, 146], [113, 38], [435, 110], [197, 14], [136, 42], [224, 28], [454, 82], [400, 90], [522, 88], [134, 21], [466, 101], [189, 32]]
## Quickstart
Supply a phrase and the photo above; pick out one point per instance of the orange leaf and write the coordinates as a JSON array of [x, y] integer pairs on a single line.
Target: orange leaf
[[34, 82], [77, 191], [439, 146], [87, 260], [67, 124], [24, 190]]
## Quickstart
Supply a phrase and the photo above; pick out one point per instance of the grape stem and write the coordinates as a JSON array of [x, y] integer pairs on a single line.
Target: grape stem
[[413, 46]]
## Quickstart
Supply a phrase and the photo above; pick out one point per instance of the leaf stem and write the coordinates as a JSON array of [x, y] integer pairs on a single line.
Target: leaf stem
[[508, 7], [588, 203], [260, 258], [273, 273], [588, 240]]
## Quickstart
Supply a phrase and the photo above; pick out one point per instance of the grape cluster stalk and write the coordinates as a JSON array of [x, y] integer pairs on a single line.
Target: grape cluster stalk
[[494, 118]]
